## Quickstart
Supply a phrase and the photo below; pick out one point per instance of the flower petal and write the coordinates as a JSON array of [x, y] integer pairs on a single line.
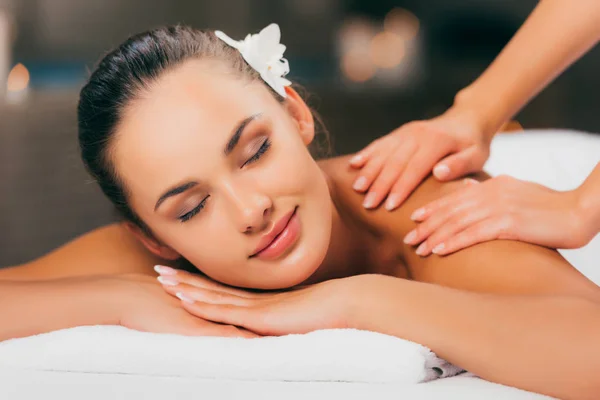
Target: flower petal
[[264, 53], [233, 43]]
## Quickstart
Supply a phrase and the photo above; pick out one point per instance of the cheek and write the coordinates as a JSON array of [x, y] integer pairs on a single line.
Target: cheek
[[212, 246], [290, 171]]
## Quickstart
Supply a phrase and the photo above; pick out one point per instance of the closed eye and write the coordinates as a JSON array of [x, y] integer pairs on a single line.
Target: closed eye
[[187, 216], [259, 153]]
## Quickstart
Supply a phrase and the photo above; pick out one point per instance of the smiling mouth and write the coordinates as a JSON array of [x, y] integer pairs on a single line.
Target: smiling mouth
[[280, 239]]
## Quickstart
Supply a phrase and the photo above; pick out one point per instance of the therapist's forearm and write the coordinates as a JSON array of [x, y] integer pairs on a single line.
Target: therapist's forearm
[[547, 345], [589, 195], [556, 34], [29, 308]]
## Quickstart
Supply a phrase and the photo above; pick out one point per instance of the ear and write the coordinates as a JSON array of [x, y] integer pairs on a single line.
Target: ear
[[153, 245], [301, 113]]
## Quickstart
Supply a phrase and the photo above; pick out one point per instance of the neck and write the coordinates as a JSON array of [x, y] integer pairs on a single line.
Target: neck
[[347, 254]]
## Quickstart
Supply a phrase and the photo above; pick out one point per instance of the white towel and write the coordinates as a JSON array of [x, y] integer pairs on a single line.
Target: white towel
[[345, 355]]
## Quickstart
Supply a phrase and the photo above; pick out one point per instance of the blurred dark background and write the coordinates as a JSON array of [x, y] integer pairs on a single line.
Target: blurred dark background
[[370, 66]]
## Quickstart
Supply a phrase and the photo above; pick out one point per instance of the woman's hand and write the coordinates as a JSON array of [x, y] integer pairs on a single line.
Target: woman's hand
[[395, 164], [499, 208], [325, 305], [142, 304]]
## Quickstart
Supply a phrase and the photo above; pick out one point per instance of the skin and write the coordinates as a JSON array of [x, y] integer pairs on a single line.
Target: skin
[[340, 246]]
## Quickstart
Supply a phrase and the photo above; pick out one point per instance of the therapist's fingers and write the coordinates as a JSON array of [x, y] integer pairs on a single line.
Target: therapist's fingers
[[394, 166], [368, 173], [425, 229], [363, 156], [457, 197], [460, 164], [461, 221], [483, 231], [418, 167]]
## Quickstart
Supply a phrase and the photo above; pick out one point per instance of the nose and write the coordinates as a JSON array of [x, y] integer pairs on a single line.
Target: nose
[[251, 209]]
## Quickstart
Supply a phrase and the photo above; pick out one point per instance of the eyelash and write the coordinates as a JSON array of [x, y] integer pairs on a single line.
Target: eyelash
[[186, 217], [262, 150]]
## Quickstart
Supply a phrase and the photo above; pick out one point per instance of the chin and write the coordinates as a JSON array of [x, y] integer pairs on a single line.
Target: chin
[[299, 266]]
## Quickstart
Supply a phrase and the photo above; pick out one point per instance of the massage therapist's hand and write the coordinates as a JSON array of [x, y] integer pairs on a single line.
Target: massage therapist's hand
[[325, 305], [452, 145], [500, 208], [143, 305]]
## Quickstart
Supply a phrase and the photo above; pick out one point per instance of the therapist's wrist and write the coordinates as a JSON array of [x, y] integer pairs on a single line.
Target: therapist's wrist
[[487, 116]]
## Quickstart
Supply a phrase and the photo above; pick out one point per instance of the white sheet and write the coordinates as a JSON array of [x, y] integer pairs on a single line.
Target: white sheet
[[28, 385]]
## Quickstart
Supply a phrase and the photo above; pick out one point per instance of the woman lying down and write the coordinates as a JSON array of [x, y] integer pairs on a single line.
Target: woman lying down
[[210, 166]]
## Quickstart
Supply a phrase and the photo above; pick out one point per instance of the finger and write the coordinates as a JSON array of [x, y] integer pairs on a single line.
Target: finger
[[201, 329], [369, 173], [436, 220], [480, 232], [417, 169], [455, 197], [221, 313], [395, 164], [459, 164], [361, 157], [208, 296], [456, 224], [171, 277]]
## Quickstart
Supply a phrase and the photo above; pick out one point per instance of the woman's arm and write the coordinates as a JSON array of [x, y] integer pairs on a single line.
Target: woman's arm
[[132, 300], [104, 251], [29, 308], [546, 344], [543, 344]]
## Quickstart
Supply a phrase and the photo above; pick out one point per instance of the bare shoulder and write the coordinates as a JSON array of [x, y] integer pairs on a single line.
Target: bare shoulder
[[499, 266], [106, 250], [397, 223]]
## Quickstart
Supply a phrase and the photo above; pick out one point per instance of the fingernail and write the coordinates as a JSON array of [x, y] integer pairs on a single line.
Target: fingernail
[[421, 249], [356, 159], [441, 171], [392, 202], [438, 248], [167, 281], [410, 238], [184, 298], [369, 200], [360, 184], [161, 269], [470, 181], [417, 214]]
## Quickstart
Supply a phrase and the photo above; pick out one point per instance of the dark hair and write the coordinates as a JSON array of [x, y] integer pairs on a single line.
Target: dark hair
[[122, 76]]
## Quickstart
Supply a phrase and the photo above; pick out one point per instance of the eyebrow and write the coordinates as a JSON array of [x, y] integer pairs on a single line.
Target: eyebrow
[[235, 137], [229, 147]]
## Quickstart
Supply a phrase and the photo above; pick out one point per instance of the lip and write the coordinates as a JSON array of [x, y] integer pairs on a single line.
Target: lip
[[283, 234]]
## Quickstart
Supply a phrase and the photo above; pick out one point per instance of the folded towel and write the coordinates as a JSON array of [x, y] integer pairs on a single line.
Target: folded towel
[[345, 355]]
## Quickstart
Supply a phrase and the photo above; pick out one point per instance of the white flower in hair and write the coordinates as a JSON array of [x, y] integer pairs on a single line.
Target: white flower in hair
[[264, 53]]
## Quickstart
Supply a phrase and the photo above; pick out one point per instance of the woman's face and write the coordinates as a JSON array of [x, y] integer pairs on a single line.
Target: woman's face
[[220, 172]]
